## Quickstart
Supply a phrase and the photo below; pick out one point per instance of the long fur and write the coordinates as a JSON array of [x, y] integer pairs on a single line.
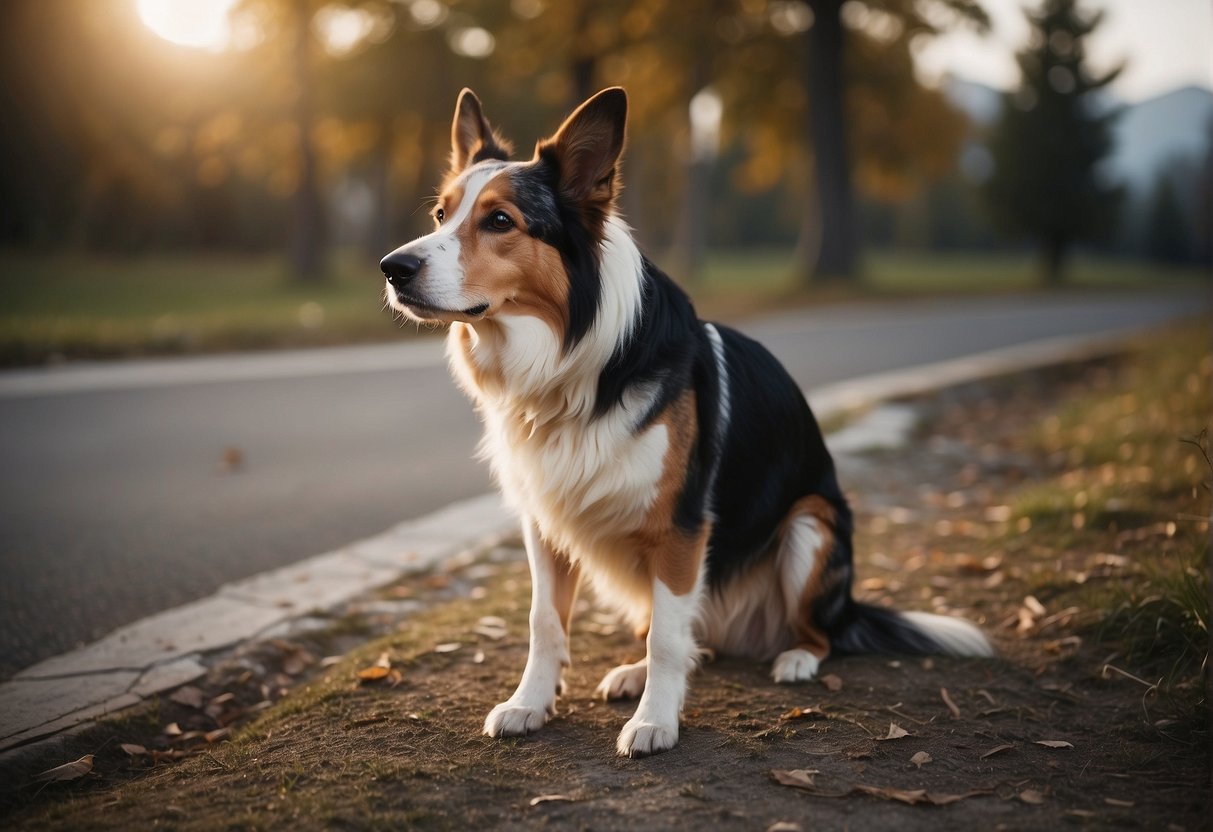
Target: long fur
[[672, 464]]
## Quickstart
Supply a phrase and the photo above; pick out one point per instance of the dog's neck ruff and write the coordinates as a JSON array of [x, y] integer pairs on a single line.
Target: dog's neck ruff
[[518, 366]]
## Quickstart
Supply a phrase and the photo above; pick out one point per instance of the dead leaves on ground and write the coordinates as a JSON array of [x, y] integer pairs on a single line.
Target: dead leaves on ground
[[67, 772], [896, 732], [381, 671], [805, 779]]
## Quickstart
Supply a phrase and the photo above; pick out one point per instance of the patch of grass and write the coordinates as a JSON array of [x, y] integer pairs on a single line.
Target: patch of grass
[[1133, 480]]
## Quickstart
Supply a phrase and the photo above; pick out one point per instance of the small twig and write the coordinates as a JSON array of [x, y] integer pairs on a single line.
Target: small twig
[[947, 700], [893, 710], [1151, 689]]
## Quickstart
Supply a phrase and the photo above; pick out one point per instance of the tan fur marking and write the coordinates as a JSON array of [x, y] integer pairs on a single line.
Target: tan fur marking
[[519, 274], [670, 554], [808, 635]]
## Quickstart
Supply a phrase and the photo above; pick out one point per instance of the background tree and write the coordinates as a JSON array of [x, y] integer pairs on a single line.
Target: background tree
[[1053, 133], [826, 44]]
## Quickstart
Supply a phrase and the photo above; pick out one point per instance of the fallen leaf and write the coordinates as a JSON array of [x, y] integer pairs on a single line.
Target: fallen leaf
[[800, 778], [1122, 804], [803, 779], [896, 732], [910, 796], [189, 696], [947, 700], [1034, 606], [550, 798], [1055, 743], [133, 749], [785, 826], [297, 661], [172, 730], [1084, 814], [68, 771], [166, 756], [379, 670], [1032, 797], [217, 734], [921, 758], [448, 647], [831, 683], [801, 713], [998, 749], [232, 459]]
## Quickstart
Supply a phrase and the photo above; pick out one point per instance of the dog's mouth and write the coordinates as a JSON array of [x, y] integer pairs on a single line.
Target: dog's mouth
[[429, 312]]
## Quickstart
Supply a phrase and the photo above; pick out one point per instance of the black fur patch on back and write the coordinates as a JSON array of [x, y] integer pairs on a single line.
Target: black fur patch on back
[[773, 455]]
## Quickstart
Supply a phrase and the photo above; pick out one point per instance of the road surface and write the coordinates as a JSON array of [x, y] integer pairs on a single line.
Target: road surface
[[118, 499]]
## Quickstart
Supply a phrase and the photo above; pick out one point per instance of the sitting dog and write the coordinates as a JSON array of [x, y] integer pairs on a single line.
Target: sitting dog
[[672, 463]]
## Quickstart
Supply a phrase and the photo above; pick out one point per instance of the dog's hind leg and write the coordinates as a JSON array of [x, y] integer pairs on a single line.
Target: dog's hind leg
[[803, 569], [553, 589]]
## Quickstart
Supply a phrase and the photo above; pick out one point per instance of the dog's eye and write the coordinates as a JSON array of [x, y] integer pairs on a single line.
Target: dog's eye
[[439, 215], [500, 221]]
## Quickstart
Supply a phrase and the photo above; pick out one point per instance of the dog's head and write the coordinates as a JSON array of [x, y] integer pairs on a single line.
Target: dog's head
[[516, 238]]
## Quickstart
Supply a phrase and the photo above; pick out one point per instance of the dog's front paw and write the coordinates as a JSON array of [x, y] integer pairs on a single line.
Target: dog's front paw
[[513, 719], [794, 666], [640, 738], [624, 682]]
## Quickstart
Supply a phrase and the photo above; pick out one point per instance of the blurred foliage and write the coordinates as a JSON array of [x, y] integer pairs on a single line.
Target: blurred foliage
[[1052, 136], [119, 140]]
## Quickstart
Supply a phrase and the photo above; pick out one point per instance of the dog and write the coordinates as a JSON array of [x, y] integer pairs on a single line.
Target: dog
[[671, 463]]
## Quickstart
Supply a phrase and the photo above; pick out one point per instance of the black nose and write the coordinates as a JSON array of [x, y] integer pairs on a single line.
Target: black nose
[[400, 267]]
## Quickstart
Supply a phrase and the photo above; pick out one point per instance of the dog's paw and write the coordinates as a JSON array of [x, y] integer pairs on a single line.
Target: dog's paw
[[640, 738], [624, 682], [513, 719], [793, 666]]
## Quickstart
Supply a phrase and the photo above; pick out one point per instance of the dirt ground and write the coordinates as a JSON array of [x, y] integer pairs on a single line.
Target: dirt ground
[[1070, 725]]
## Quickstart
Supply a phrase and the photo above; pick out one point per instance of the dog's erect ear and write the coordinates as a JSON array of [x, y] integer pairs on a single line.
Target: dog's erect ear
[[588, 144], [472, 137]]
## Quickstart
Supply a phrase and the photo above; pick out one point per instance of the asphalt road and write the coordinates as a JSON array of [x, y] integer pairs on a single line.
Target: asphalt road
[[115, 501]]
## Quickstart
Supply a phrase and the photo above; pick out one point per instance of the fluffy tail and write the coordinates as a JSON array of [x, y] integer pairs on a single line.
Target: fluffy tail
[[869, 629]]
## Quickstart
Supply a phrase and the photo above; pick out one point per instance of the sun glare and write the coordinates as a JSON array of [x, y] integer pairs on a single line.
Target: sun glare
[[201, 24]]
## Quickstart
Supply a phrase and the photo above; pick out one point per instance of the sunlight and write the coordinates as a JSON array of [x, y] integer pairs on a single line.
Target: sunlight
[[200, 24]]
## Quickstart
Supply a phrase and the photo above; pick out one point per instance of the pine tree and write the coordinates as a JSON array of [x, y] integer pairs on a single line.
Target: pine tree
[[1167, 236], [1053, 133]]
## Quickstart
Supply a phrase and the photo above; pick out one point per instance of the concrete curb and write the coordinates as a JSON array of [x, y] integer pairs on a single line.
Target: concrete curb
[[169, 649], [162, 652]]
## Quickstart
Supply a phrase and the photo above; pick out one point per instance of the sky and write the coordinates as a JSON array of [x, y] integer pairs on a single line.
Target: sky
[[1165, 44]]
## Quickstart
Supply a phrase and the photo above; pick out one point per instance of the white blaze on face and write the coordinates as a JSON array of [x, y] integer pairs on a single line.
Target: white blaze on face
[[440, 283]]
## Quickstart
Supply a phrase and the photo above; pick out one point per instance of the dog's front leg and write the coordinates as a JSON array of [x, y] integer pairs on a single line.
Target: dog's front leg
[[671, 656], [553, 588]]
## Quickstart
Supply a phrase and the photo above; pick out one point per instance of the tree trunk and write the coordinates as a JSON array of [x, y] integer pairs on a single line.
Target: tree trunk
[[379, 235], [836, 253], [1053, 254], [690, 235], [307, 243]]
